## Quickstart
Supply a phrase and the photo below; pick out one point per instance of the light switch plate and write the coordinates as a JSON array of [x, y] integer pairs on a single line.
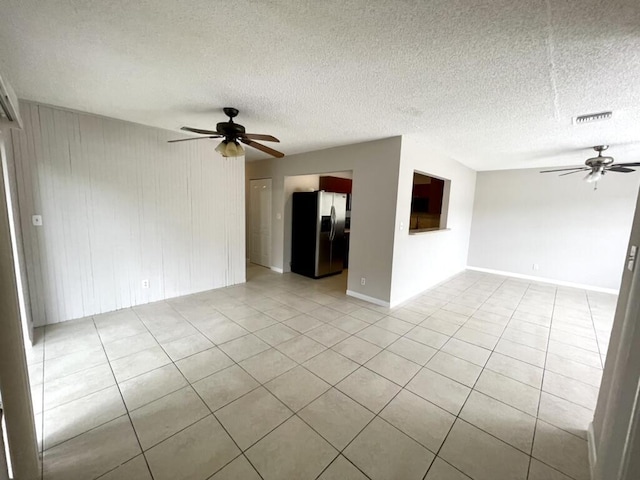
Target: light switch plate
[[36, 220]]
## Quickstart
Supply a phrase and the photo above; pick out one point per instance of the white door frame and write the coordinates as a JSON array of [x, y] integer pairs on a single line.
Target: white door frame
[[8, 177], [614, 436], [14, 376]]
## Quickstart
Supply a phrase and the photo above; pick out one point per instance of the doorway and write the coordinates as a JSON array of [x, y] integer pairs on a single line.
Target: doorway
[[260, 222], [615, 432], [337, 182]]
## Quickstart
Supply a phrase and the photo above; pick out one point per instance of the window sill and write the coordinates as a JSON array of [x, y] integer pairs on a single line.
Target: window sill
[[428, 230]]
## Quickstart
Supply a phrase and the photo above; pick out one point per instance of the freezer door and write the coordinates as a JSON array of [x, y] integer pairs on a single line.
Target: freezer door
[[324, 231], [337, 243]]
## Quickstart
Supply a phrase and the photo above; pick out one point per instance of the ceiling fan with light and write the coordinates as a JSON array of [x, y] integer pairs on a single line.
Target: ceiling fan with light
[[597, 167], [233, 133]]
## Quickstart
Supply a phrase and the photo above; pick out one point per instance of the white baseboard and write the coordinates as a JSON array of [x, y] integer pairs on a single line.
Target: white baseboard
[[545, 280], [591, 445], [367, 298], [276, 269]]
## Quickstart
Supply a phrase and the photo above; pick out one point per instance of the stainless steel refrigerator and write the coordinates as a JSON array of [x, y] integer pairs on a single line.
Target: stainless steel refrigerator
[[317, 233]]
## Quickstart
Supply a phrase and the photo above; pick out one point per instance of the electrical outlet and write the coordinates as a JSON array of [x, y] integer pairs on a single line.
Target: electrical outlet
[[535, 266], [363, 281], [145, 283]]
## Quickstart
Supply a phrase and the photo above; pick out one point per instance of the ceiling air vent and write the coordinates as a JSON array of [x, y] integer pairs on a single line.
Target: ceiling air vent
[[592, 117]]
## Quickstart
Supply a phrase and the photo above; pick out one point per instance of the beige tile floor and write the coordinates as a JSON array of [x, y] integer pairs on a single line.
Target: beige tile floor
[[483, 377]]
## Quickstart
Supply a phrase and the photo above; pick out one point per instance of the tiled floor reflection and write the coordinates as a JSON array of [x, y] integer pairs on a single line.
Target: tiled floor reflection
[[483, 377]]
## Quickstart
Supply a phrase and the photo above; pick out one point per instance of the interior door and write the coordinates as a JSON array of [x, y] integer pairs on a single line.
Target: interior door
[[617, 416], [260, 222]]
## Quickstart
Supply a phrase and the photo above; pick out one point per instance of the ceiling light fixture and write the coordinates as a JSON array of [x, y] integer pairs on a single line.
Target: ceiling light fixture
[[593, 177], [230, 148]]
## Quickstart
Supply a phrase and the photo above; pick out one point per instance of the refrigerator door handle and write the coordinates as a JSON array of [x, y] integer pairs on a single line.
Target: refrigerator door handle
[[332, 234]]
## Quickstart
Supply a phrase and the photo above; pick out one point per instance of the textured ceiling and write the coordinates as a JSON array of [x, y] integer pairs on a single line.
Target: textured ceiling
[[493, 83]]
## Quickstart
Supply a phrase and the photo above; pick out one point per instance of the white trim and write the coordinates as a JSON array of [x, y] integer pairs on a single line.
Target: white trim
[[367, 298], [591, 446], [545, 280], [276, 269]]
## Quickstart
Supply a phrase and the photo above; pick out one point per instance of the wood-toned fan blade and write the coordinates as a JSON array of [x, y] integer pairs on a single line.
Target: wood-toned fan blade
[[618, 168], [261, 136], [261, 147], [577, 171], [565, 169], [194, 138], [199, 130]]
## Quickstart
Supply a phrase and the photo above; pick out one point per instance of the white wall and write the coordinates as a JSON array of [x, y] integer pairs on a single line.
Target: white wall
[[375, 187], [424, 259], [574, 234], [120, 205]]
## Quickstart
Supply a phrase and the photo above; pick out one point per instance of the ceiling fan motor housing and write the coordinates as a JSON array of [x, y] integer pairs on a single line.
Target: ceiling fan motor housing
[[599, 161], [230, 130]]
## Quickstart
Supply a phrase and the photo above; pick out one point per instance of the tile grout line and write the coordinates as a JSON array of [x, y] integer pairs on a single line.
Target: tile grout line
[[124, 403], [190, 385], [362, 365], [457, 416], [377, 415], [332, 386], [502, 441], [263, 385], [531, 457], [540, 399], [374, 323], [260, 384], [544, 369], [415, 325], [125, 406], [294, 413], [593, 325], [536, 419]]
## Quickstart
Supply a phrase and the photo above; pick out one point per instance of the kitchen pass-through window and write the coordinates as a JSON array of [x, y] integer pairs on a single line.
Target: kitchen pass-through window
[[429, 203]]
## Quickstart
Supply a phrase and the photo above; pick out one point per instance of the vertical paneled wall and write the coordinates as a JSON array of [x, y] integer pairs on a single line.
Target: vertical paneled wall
[[119, 206]]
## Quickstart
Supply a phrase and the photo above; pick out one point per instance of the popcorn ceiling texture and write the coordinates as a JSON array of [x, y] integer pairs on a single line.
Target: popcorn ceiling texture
[[493, 84]]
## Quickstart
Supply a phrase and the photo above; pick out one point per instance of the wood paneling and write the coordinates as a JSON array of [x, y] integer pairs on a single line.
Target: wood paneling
[[120, 205]]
